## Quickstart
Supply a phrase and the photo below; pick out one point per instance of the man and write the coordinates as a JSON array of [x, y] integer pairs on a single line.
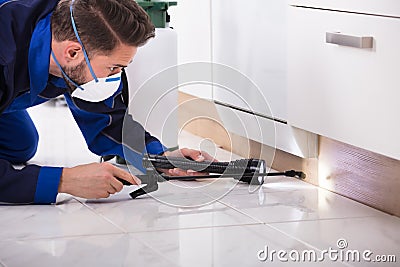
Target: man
[[76, 48]]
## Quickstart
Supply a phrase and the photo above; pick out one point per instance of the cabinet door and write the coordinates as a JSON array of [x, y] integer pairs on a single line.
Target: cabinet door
[[377, 7], [345, 93], [249, 44], [251, 38]]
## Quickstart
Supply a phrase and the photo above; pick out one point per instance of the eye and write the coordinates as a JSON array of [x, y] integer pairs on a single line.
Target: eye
[[112, 69]]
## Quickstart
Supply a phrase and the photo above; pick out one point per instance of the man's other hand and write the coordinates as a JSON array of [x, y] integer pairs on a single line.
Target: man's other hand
[[196, 155]]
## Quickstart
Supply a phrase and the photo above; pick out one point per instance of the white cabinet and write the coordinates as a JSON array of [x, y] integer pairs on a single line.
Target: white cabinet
[[345, 93], [152, 82], [389, 8], [250, 38]]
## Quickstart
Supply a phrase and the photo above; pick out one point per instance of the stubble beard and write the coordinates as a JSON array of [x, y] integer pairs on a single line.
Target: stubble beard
[[76, 74]]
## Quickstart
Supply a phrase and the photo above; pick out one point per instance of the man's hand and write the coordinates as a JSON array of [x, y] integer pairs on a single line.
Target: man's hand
[[94, 180], [188, 153]]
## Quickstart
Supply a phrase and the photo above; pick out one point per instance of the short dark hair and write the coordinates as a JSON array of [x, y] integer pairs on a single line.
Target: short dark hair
[[102, 24]]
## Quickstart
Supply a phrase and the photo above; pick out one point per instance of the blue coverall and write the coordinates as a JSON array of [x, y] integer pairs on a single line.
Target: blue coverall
[[25, 42]]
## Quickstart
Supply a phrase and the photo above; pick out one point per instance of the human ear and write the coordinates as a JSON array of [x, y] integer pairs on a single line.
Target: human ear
[[73, 52]]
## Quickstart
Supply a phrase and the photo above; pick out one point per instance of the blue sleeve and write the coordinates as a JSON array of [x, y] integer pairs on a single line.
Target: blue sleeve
[[31, 184], [47, 185], [108, 131]]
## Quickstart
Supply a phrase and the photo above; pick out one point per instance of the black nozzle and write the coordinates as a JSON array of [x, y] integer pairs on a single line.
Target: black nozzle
[[293, 173], [144, 190]]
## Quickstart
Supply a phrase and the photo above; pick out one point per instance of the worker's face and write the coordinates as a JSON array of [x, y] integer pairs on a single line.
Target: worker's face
[[87, 77], [102, 65]]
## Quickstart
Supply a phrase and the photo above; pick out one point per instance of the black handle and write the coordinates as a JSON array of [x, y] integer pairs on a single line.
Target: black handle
[[237, 166]]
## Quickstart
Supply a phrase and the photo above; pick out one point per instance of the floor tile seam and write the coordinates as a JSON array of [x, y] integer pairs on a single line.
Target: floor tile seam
[[240, 211], [265, 192], [153, 249], [318, 219], [59, 237], [322, 219], [102, 216], [2, 264], [193, 228], [220, 198], [277, 229], [301, 241], [127, 232]]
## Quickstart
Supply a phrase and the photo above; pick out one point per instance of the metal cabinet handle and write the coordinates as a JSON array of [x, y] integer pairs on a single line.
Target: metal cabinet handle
[[349, 40]]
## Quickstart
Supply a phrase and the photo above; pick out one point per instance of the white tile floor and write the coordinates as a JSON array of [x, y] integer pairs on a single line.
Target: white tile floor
[[231, 230]]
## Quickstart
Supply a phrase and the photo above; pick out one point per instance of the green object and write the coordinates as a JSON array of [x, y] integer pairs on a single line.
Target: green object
[[157, 10]]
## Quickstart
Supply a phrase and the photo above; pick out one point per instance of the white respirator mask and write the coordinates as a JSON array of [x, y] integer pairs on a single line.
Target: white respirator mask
[[98, 89]]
